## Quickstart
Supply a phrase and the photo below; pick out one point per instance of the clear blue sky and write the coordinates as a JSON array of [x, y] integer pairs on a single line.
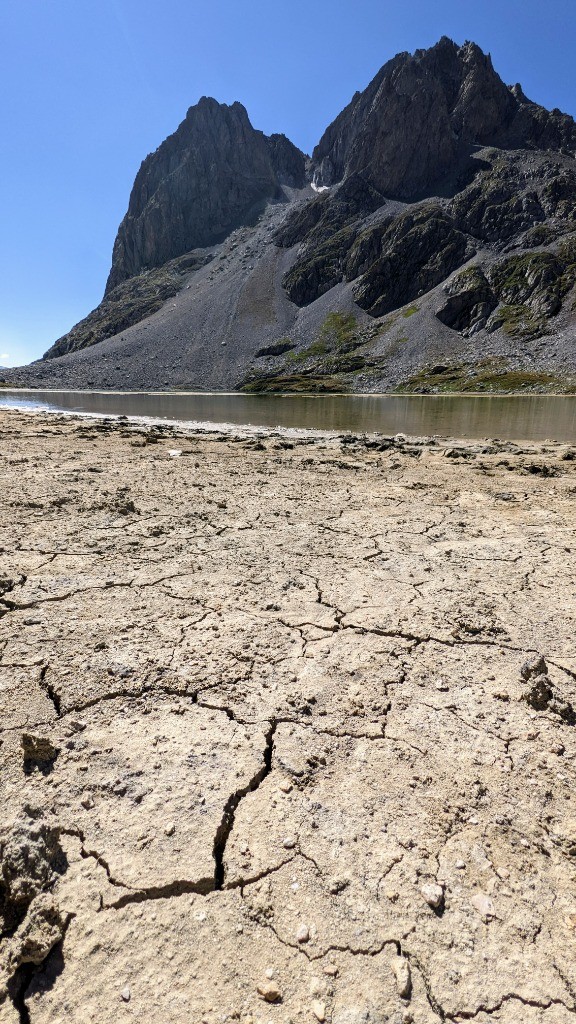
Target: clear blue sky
[[89, 87]]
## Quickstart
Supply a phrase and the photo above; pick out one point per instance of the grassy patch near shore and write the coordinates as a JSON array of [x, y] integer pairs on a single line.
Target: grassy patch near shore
[[296, 383], [319, 367], [485, 379]]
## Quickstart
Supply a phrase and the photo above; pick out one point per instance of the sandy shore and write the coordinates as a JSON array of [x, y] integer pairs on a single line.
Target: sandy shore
[[287, 728]]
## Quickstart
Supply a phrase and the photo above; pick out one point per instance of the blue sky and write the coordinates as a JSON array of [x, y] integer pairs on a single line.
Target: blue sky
[[89, 88]]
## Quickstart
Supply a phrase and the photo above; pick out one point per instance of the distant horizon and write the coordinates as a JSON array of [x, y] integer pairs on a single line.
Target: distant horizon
[[83, 112]]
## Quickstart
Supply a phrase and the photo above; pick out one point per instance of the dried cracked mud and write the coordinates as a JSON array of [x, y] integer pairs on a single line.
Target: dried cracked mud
[[288, 728]]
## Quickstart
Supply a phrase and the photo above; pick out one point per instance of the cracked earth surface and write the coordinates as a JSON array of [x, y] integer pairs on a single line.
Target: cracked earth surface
[[288, 728]]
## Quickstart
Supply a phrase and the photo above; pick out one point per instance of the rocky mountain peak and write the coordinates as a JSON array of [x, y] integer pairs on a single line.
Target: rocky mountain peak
[[518, 93], [421, 114], [213, 174]]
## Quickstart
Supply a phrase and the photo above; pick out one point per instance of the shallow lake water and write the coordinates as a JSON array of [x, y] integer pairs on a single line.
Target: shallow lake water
[[515, 417]]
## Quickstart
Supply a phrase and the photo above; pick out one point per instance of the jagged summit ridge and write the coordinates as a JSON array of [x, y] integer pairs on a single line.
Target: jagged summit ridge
[[215, 172], [421, 114]]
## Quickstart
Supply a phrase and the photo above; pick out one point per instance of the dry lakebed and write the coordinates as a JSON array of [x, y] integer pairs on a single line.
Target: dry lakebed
[[288, 727]]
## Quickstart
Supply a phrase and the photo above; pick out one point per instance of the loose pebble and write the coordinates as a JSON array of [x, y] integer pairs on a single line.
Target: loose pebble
[[303, 934], [403, 975], [319, 1010], [483, 904], [269, 992], [126, 994], [433, 894], [289, 843]]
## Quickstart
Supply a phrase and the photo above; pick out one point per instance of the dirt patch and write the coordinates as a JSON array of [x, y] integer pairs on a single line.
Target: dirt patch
[[289, 735]]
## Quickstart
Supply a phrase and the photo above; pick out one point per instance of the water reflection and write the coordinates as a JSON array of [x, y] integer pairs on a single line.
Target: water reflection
[[530, 417]]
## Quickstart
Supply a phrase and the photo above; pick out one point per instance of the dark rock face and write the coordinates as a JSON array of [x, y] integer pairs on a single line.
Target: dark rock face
[[470, 301], [288, 162], [390, 263], [525, 291], [531, 288], [415, 129], [214, 173], [417, 251], [419, 116]]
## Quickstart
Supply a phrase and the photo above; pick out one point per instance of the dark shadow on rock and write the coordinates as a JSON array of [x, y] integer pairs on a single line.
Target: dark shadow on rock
[[45, 977], [39, 754]]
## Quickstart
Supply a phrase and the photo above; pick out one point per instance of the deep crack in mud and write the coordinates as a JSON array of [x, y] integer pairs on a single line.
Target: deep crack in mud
[[227, 823]]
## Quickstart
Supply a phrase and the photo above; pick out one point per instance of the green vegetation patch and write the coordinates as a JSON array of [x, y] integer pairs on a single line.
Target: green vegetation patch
[[484, 378], [339, 331], [296, 383], [541, 234], [337, 337], [468, 280], [513, 273], [531, 288], [520, 322], [320, 366]]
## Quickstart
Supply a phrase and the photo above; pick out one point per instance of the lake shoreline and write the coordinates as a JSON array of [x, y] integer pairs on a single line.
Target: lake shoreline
[[292, 394], [208, 430], [533, 418]]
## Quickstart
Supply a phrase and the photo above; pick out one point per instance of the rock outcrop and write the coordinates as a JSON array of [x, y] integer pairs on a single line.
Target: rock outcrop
[[213, 174], [421, 113]]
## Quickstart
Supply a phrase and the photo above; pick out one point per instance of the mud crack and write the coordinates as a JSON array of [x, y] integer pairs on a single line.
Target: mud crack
[[229, 814], [50, 690]]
